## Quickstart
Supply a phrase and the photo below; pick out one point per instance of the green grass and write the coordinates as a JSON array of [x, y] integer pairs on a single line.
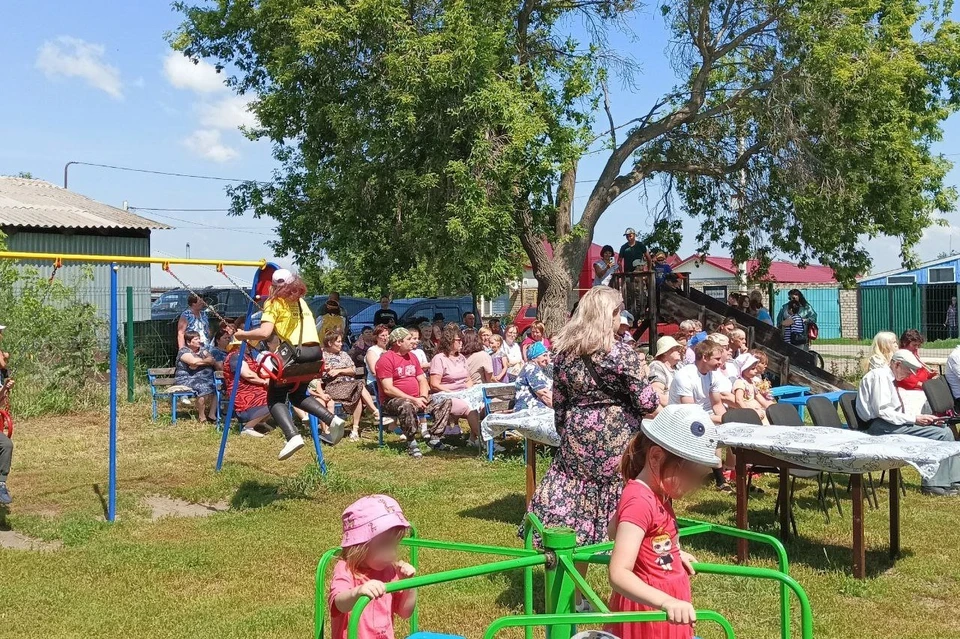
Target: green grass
[[248, 572]]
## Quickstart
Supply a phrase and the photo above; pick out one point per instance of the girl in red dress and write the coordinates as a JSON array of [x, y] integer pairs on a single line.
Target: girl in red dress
[[670, 457]]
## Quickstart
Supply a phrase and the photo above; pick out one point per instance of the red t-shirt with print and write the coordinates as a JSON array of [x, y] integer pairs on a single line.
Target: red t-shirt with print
[[404, 369]]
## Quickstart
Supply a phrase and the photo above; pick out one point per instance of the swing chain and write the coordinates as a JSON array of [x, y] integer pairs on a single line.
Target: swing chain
[[213, 311], [238, 286]]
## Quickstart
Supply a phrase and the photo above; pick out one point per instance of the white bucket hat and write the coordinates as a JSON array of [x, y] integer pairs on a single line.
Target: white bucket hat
[[745, 361], [687, 431], [666, 343]]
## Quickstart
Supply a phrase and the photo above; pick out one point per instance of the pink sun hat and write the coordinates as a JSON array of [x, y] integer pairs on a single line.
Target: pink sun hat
[[369, 516]]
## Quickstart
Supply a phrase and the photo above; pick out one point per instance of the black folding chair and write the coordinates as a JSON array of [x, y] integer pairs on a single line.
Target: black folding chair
[[848, 404], [942, 402], [787, 415]]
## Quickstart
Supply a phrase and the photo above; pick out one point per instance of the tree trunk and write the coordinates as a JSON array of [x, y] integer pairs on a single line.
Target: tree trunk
[[554, 288]]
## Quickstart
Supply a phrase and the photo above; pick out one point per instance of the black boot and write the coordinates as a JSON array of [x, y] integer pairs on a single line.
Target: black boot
[[317, 409]]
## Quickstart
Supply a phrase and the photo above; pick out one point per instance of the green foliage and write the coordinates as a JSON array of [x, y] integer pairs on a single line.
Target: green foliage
[[53, 339], [429, 145]]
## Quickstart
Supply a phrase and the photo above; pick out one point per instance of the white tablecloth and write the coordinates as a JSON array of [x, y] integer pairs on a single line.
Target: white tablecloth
[[840, 450], [533, 423], [473, 396]]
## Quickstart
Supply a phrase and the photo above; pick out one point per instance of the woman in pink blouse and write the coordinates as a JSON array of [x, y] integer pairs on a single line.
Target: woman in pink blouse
[[449, 373]]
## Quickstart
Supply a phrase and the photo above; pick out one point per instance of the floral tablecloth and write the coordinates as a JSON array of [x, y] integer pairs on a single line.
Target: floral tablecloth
[[473, 396], [840, 450], [533, 423]]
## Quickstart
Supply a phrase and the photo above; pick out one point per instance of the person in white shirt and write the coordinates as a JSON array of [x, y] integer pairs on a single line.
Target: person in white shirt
[[952, 373], [692, 384], [510, 351], [879, 403]]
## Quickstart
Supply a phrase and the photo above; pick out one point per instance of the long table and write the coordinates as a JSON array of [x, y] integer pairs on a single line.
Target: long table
[[830, 450]]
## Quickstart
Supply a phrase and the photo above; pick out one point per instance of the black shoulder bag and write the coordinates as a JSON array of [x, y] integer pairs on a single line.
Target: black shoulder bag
[[287, 352]]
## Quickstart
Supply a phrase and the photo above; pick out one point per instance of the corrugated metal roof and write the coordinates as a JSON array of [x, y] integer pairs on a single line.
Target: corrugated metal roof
[[40, 204]]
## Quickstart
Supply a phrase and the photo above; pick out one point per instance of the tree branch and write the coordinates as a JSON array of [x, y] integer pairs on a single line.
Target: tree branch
[[606, 107], [565, 191]]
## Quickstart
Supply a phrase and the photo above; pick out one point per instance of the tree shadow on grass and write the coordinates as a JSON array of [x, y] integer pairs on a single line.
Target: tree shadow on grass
[[508, 509], [255, 494], [512, 595], [4, 524]]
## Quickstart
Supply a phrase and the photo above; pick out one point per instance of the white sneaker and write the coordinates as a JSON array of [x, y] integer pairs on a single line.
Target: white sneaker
[[250, 432], [388, 420], [585, 606], [292, 446], [473, 443]]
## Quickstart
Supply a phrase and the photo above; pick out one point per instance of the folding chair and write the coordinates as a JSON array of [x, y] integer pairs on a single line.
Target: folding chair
[[942, 402], [848, 404], [822, 413]]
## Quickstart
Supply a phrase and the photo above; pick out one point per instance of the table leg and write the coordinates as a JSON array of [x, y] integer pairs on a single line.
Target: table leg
[[742, 497], [530, 450], [894, 513], [859, 552], [783, 495]]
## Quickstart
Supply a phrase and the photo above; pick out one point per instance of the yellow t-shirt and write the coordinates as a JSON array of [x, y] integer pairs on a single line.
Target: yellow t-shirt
[[286, 322]]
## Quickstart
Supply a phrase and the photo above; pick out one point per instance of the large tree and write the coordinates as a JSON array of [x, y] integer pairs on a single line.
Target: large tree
[[441, 136]]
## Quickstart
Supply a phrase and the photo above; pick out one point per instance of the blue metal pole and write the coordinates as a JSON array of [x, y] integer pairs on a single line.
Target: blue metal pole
[[236, 373], [114, 328]]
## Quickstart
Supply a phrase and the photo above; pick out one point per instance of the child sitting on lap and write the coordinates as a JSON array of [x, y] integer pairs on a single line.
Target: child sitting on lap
[[745, 391], [668, 459], [372, 529]]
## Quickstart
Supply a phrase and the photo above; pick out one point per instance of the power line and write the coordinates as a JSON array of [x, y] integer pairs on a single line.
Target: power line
[[194, 223], [147, 208], [152, 172]]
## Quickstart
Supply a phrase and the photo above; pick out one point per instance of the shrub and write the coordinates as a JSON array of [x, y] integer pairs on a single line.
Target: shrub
[[53, 338]]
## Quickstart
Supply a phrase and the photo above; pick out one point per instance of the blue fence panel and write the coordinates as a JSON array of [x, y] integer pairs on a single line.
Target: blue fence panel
[[825, 301]]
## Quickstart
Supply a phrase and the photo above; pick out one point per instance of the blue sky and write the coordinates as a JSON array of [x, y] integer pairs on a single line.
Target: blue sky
[[96, 82]]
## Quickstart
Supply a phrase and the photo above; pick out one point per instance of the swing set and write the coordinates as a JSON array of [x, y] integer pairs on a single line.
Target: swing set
[[260, 290]]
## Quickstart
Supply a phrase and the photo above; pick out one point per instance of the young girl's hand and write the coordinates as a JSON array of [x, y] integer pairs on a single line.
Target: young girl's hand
[[688, 560], [373, 589], [405, 569], [679, 612]]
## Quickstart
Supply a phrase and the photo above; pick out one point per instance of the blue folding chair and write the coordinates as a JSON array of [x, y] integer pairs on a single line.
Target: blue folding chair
[[504, 394]]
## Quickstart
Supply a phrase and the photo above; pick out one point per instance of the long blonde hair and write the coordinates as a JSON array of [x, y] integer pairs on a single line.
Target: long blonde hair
[[591, 329], [884, 344]]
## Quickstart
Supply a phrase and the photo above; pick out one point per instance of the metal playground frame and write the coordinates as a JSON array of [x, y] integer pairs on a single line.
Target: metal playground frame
[[259, 290], [561, 579]]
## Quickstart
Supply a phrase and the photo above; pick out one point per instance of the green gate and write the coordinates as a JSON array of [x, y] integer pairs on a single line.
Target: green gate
[[889, 308]]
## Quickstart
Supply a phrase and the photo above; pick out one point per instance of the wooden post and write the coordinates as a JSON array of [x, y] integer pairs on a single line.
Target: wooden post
[[743, 548], [784, 496], [653, 297], [859, 551], [894, 474]]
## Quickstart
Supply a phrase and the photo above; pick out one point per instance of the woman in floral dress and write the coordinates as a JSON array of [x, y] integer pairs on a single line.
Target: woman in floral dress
[[598, 410]]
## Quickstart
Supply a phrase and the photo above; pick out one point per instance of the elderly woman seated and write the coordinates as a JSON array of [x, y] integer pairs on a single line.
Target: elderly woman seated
[[341, 381], [194, 369], [534, 386], [250, 405], [449, 373]]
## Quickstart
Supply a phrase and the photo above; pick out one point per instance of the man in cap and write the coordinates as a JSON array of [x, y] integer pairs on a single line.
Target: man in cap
[[633, 257], [404, 393], [879, 404]]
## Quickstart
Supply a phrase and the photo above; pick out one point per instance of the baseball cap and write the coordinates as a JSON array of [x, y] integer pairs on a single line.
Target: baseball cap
[[687, 431], [370, 516], [906, 358], [629, 231], [398, 334], [281, 276], [626, 319]]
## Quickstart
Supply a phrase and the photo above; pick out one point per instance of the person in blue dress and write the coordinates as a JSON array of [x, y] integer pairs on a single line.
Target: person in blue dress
[[194, 369], [194, 318], [534, 385]]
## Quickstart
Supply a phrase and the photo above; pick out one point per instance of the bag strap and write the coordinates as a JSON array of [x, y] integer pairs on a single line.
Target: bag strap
[[592, 370], [300, 315]]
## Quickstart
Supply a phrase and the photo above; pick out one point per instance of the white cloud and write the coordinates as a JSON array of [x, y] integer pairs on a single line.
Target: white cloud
[[207, 144], [73, 57], [230, 113], [201, 77]]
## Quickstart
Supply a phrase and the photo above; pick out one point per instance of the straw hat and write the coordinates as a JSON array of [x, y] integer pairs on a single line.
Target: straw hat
[[687, 431], [667, 343]]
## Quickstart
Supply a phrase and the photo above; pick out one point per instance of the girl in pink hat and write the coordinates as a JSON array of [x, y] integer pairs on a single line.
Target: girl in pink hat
[[372, 529]]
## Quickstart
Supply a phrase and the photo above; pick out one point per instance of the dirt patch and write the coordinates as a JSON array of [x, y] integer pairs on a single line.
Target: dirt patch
[[161, 506], [13, 540]]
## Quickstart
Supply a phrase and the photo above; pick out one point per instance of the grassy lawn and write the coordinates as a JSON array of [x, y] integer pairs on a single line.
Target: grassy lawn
[[248, 572]]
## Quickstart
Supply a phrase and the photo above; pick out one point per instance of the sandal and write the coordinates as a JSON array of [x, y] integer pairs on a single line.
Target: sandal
[[725, 488], [440, 446]]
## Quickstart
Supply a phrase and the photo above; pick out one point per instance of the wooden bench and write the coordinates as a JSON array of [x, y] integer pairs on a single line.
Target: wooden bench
[[161, 379]]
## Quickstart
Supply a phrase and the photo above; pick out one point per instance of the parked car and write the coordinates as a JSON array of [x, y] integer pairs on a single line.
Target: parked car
[[225, 300], [350, 305], [452, 309], [526, 316]]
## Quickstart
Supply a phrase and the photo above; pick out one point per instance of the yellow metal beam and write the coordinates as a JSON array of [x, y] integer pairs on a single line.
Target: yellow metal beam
[[125, 259]]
